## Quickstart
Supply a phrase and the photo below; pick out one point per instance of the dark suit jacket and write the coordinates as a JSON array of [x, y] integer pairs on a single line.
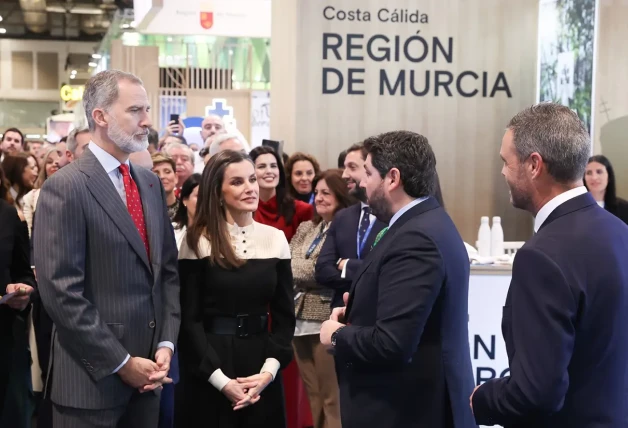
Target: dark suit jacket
[[107, 298], [565, 325], [403, 361], [15, 267], [15, 264], [341, 243]]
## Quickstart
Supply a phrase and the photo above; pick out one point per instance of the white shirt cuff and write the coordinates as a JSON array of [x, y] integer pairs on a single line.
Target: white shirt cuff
[[219, 380], [169, 345], [128, 357], [271, 366], [343, 275]]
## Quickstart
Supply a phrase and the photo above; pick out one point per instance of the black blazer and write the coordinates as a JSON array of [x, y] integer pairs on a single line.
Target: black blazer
[[341, 243], [621, 210], [15, 264], [403, 360], [565, 325]]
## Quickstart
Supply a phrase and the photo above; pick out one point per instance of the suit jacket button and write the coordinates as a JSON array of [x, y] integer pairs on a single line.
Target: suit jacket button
[[349, 365], [151, 324]]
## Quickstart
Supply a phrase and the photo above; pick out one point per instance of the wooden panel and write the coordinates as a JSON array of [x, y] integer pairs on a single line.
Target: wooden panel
[[611, 89], [22, 69], [47, 70], [465, 131]]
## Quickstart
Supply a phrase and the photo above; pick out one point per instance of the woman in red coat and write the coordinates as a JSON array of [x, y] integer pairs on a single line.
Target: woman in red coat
[[279, 209]]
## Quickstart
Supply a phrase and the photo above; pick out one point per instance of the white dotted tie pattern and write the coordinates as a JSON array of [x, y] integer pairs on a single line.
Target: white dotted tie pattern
[[134, 205]]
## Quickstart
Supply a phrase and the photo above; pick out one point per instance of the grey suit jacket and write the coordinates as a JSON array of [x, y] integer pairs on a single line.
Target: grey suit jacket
[[106, 298]]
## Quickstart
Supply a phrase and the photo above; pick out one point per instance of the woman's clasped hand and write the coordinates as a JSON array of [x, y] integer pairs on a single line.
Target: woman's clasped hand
[[246, 391]]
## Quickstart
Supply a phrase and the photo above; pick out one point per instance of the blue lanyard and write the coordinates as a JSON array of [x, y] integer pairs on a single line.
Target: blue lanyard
[[361, 245], [316, 241], [311, 199]]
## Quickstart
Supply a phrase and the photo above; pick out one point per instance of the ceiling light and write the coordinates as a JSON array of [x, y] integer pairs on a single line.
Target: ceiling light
[[72, 76], [125, 26], [0, 18], [96, 56], [93, 64], [3, 30]]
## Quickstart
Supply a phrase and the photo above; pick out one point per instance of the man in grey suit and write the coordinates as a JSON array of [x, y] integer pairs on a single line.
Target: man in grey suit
[[107, 269]]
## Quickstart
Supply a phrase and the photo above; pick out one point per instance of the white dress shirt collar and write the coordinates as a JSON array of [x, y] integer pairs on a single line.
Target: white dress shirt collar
[[106, 160], [549, 207], [405, 209]]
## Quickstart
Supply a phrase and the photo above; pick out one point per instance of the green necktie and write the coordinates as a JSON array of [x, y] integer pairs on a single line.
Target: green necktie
[[379, 236]]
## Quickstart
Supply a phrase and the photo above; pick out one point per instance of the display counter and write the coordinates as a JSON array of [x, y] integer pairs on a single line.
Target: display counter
[[488, 286]]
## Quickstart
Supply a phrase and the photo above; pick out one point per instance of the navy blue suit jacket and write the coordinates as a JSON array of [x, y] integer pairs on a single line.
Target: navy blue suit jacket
[[341, 243], [403, 360], [565, 325]]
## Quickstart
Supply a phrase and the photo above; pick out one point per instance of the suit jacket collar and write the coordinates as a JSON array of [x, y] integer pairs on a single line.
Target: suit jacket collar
[[423, 207], [574, 204], [102, 189]]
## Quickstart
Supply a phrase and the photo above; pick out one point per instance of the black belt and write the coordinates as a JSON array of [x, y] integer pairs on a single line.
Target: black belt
[[240, 325]]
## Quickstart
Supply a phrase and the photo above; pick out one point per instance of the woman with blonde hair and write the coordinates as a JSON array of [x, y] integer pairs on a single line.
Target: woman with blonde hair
[[50, 165]]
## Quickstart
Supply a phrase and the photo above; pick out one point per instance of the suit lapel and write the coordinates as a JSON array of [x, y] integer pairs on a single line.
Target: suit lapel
[[150, 205], [382, 245], [573, 204], [104, 192]]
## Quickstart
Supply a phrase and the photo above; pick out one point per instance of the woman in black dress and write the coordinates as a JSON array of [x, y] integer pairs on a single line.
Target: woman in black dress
[[237, 311]]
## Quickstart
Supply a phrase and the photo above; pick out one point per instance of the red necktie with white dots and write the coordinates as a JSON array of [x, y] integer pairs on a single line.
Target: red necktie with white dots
[[134, 205]]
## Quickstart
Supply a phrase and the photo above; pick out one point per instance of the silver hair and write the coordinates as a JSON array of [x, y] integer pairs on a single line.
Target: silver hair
[[218, 139], [171, 146], [557, 134], [71, 142], [101, 91]]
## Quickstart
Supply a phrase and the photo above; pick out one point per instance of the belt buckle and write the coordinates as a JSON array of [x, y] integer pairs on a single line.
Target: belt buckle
[[242, 325]]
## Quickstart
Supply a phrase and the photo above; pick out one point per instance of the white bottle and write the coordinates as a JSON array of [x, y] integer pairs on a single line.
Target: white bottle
[[497, 238], [484, 238]]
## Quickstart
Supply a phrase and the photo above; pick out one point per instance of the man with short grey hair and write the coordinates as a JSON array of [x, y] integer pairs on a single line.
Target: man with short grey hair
[[565, 321], [107, 268], [78, 139], [183, 157], [222, 142], [212, 125]]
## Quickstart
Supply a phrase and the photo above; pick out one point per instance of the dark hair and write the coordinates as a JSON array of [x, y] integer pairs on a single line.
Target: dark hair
[[297, 157], [341, 159], [408, 152], [203, 152], [5, 194], [153, 137], [14, 166], [610, 195], [181, 216], [438, 194], [210, 219], [17, 131], [285, 202], [354, 148], [338, 186], [557, 134], [285, 157], [63, 139]]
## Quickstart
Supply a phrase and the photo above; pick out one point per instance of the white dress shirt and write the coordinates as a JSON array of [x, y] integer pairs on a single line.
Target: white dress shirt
[[549, 207], [111, 165], [405, 209]]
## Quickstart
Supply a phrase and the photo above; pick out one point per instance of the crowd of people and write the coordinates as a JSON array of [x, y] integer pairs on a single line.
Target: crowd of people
[[156, 283]]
